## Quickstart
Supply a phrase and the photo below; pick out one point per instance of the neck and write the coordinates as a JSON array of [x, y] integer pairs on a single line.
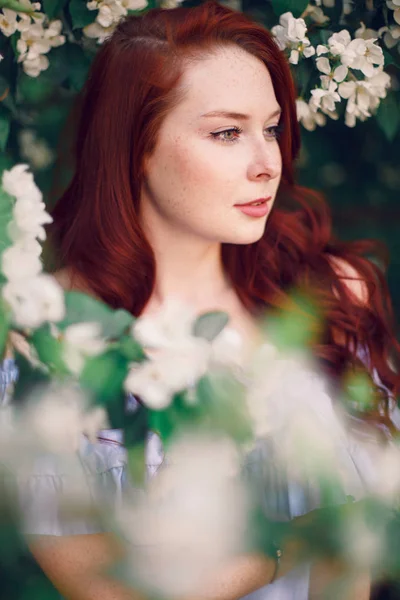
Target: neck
[[188, 269]]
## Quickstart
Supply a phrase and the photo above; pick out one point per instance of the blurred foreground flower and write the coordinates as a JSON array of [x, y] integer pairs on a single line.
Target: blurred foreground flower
[[191, 520], [33, 296], [181, 349], [51, 420]]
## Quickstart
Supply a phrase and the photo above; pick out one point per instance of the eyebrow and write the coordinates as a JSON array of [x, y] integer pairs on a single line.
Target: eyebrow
[[235, 115]]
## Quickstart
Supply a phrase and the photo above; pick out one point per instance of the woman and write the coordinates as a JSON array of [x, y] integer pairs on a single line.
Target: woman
[[184, 185]]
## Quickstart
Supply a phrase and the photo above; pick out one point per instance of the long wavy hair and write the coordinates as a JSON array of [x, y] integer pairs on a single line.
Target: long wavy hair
[[132, 84]]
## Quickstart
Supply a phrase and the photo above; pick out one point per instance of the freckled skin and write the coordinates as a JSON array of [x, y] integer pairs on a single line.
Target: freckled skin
[[192, 180]]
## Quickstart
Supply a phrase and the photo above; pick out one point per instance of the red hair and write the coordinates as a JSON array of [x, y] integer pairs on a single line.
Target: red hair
[[131, 86]]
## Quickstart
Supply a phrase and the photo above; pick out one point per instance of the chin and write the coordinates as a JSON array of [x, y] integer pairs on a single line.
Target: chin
[[248, 236]]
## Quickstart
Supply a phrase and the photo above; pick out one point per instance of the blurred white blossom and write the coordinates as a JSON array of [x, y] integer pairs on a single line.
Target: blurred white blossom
[[18, 182], [177, 358], [80, 341], [167, 372], [35, 150], [307, 116], [395, 6], [22, 260], [35, 300], [29, 218], [316, 14], [170, 551], [33, 296], [51, 421], [170, 327]]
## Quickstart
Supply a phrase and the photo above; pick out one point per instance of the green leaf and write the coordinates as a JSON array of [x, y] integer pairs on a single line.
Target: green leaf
[[388, 116], [80, 63], [81, 307], [34, 89], [209, 325], [5, 125], [14, 5], [53, 8], [50, 350], [296, 7], [131, 349], [117, 324], [80, 15], [104, 376], [296, 324], [4, 325], [28, 377]]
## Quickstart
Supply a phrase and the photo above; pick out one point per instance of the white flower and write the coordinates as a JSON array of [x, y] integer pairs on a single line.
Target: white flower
[[29, 218], [96, 31], [35, 41], [81, 340], [338, 74], [53, 34], [325, 98], [395, 6], [291, 34], [368, 56], [309, 118], [36, 300], [316, 14], [322, 50], [338, 42], [35, 150], [22, 260], [169, 551], [57, 416], [228, 348], [137, 4], [19, 182], [8, 22], [363, 96], [33, 67], [366, 33], [170, 327], [391, 35], [168, 372], [32, 43]]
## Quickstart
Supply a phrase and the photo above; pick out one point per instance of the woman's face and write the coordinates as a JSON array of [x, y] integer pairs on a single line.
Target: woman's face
[[216, 149]]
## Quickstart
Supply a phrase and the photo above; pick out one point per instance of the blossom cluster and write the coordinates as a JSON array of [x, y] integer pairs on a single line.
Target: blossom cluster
[[349, 69], [177, 358], [33, 296], [109, 14], [291, 34], [37, 36]]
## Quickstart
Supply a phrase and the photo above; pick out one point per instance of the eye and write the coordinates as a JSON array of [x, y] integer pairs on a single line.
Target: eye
[[227, 136], [273, 132]]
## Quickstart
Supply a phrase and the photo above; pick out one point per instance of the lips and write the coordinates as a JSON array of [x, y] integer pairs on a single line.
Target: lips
[[257, 202]]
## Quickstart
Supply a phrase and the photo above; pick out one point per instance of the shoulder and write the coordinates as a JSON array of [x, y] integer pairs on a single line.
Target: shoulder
[[351, 278]]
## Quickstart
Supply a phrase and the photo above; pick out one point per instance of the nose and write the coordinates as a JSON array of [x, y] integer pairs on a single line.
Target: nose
[[265, 162]]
